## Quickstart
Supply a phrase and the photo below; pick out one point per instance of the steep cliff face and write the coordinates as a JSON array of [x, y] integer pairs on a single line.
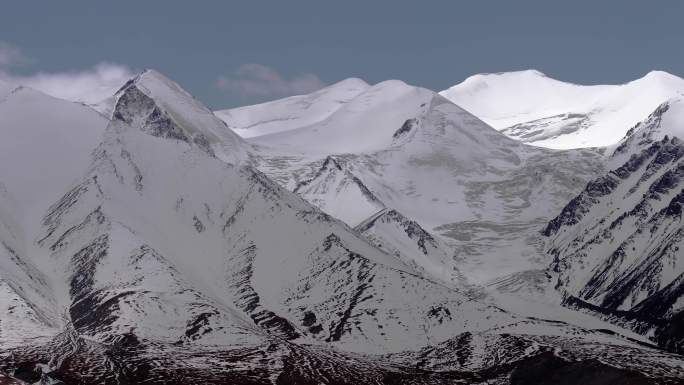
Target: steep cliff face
[[160, 107]]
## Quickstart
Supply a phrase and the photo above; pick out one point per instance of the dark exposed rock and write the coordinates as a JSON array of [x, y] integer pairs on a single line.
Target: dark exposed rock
[[573, 212], [199, 325], [134, 107], [405, 128], [248, 299], [549, 369], [641, 134], [412, 228], [637, 243]]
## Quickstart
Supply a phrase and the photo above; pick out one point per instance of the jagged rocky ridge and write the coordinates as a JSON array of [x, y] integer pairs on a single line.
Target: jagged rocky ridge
[[407, 240], [617, 246], [334, 188]]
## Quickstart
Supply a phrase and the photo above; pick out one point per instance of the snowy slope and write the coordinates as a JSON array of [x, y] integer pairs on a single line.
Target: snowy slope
[[292, 112], [409, 149], [533, 108], [25, 300], [335, 189], [45, 147], [364, 124], [407, 240]]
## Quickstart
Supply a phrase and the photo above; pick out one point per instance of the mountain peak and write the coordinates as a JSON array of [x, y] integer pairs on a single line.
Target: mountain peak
[[662, 81], [157, 86], [159, 106], [391, 84], [519, 73], [512, 79], [350, 82], [662, 75], [294, 111]]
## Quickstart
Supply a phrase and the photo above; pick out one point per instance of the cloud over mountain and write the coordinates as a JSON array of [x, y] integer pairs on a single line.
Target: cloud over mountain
[[258, 80], [90, 85]]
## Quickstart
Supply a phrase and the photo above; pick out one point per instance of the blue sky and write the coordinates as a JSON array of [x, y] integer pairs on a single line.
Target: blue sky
[[230, 53]]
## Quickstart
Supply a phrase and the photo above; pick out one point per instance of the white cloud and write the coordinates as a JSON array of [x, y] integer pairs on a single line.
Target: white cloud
[[10, 55], [87, 86], [258, 80]]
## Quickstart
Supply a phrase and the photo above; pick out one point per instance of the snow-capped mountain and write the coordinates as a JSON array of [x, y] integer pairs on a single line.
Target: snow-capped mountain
[[533, 108], [364, 124], [618, 245], [409, 149], [161, 108], [162, 243], [497, 245], [168, 258], [293, 112]]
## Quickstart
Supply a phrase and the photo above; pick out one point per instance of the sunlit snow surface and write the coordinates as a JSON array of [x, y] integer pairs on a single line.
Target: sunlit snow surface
[[293, 112], [407, 148], [534, 108]]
